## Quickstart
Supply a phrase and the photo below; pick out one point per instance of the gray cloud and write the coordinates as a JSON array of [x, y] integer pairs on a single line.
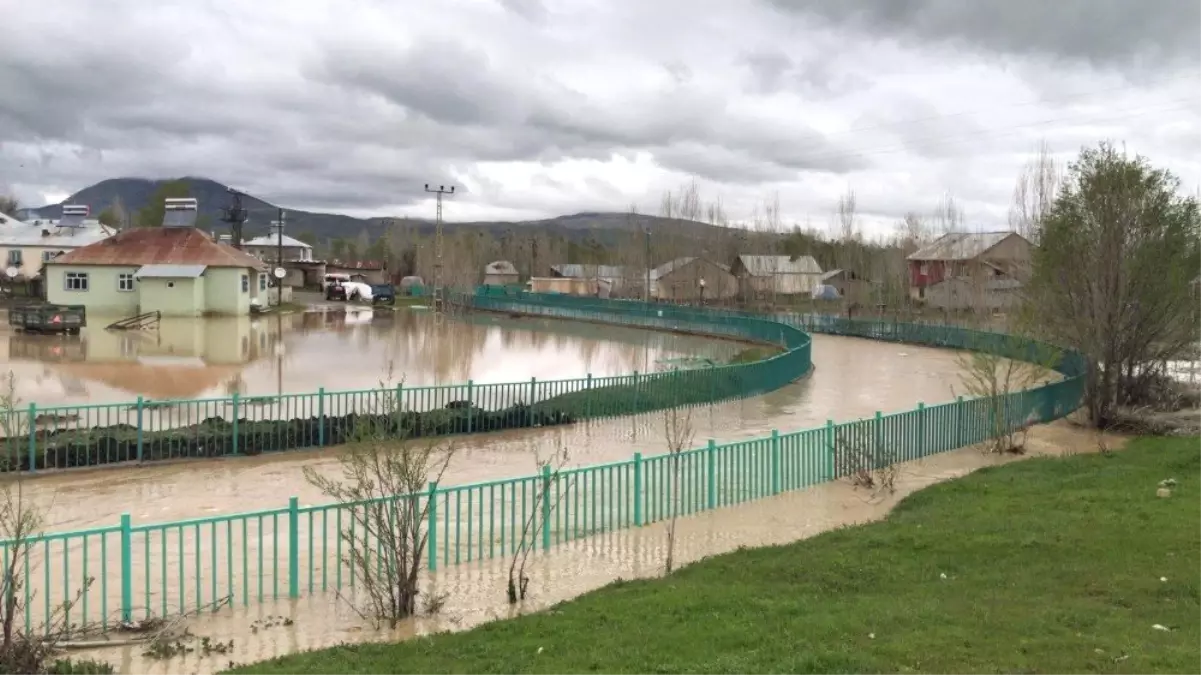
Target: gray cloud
[[533, 106], [1102, 32]]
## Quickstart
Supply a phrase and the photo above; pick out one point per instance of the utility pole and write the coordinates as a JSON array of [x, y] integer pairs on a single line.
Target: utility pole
[[439, 290], [234, 215], [279, 258]]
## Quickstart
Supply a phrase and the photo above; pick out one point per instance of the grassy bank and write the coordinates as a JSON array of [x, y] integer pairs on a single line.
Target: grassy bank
[[1047, 565]]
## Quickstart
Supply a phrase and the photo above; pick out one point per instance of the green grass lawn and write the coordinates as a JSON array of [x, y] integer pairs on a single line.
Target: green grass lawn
[[1047, 565]]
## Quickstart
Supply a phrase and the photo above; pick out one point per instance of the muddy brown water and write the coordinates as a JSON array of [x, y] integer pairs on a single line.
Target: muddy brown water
[[338, 350], [853, 378], [475, 592]]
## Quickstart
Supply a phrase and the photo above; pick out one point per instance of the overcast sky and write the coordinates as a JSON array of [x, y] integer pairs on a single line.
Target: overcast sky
[[538, 108]]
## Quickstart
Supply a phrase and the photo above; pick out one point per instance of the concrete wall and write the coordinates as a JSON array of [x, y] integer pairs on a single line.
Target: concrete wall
[[959, 294], [102, 299], [31, 257], [223, 294], [172, 297], [683, 283]]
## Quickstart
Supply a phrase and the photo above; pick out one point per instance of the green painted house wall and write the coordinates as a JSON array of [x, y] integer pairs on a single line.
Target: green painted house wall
[[172, 297], [102, 298], [223, 292]]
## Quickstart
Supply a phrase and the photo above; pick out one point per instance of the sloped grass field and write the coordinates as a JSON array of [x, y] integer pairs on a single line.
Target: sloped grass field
[[1056, 565]]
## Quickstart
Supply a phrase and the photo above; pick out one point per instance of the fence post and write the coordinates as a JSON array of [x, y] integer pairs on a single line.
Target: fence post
[[530, 410], [545, 507], [878, 437], [711, 471], [126, 568], [32, 425], [235, 429], [588, 396], [293, 547], [832, 466], [470, 404], [775, 462], [321, 416], [635, 393], [141, 407], [637, 489], [959, 422], [921, 431], [431, 525]]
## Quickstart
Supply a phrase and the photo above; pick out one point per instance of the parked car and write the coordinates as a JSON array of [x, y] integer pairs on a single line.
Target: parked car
[[383, 294]]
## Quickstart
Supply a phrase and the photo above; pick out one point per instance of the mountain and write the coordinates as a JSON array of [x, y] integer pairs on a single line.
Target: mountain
[[134, 193]]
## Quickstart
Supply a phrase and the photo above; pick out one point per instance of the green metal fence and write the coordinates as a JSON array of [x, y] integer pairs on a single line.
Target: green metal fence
[[132, 570], [68, 436]]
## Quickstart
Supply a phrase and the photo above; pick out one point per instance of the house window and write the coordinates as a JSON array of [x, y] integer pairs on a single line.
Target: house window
[[262, 282], [47, 256], [75, 281], [125, 282], [14, 257], [245, 283]]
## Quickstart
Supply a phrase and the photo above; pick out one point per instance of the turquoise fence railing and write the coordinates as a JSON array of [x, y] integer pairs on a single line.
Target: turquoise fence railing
[[69, 436], [133, 570]]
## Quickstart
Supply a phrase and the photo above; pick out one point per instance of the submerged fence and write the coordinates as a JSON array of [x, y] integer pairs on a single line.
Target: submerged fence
[[128, 570], [67, 436]]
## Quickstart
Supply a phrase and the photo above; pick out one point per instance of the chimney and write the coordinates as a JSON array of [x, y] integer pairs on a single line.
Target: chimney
[[179, 212]]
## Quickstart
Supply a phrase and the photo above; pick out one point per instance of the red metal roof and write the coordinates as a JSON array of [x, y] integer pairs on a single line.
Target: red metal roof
[[159, 246]]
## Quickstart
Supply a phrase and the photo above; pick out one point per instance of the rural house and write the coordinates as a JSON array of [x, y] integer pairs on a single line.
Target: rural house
[[991, 264], [175, 269], [776, 274], [690, 279], [849, 285], [26, 246], [501, 273], [268, 247]]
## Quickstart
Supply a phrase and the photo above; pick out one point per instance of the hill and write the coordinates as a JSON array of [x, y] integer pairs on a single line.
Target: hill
[[134, 193]]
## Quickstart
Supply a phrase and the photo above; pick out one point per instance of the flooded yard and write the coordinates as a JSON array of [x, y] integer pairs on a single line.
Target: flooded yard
[[303, 351]]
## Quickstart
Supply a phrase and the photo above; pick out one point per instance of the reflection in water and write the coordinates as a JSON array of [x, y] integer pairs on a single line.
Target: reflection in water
[[337, 350]]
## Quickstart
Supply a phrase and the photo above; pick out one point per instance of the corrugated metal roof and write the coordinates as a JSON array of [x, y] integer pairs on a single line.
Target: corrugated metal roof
[[272, 240], [500, 267], [28, 234], [159, 246], [169, 271], [578, 271], [768, 265], [960, 245]]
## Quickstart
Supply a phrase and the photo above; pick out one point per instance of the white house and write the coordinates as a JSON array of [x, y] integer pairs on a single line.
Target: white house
[[267, 247], [26, 246]]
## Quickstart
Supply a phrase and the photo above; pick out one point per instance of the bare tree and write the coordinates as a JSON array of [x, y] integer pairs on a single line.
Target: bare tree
[[1034, 194], [991, 378], [548, 489], [384, 487], [948, 216], [677, 436]]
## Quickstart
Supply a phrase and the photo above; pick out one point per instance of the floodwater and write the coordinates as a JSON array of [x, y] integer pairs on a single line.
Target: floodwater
[[475, 592], [350, 349], [853, 378]]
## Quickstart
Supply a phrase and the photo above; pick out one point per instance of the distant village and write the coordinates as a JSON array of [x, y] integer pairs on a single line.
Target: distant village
[[181, 269]]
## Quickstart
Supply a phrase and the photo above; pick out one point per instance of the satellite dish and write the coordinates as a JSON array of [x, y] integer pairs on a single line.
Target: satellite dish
[[12, 272], [279, 272]]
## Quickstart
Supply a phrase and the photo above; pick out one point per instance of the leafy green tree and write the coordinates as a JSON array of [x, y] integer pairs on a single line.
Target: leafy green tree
[[151, 215], [9, 205], [1112, 277]]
